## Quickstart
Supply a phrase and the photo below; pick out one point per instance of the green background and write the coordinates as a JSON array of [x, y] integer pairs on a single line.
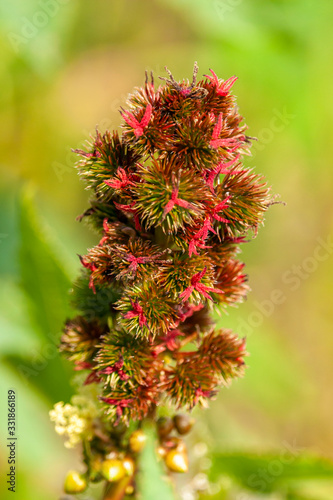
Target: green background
[[67, 65]]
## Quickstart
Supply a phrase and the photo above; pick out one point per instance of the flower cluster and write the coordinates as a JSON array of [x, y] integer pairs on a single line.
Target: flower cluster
[[75, 421], [172, 202]]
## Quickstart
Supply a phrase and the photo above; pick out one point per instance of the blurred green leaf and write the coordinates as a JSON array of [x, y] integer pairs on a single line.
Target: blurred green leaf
[[285, 472], [44, 276], [36, 32], [39, 449], [45, 283], [19, 337], [311, 490]]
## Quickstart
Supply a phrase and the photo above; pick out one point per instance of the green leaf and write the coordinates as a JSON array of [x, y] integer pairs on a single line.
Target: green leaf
[[152, 484]]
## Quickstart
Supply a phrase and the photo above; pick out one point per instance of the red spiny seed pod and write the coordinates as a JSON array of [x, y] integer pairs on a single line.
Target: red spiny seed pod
[[173, 203]]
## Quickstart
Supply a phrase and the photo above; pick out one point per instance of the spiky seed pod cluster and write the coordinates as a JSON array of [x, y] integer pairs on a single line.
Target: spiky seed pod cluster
[[172, 203]]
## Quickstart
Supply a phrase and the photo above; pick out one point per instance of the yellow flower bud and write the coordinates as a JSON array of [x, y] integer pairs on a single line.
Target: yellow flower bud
[[137, 441], [176, 460], [75, 482], [161, 452], [113, 470], [129, 490], [129, 465]]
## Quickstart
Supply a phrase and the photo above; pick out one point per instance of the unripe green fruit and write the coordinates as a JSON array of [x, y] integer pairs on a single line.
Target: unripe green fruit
[[164, 426], [183, 423], [137, 441], [75, 482], [176, 460], [113, 470]]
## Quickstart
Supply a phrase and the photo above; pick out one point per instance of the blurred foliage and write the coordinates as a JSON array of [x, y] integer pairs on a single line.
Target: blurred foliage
[[67, 65], [288, 475]]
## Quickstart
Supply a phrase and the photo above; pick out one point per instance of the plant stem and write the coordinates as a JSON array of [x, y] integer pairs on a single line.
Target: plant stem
[[116, 491]]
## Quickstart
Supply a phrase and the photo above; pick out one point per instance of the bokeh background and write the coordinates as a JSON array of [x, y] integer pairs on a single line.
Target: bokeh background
[[67, 66]]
